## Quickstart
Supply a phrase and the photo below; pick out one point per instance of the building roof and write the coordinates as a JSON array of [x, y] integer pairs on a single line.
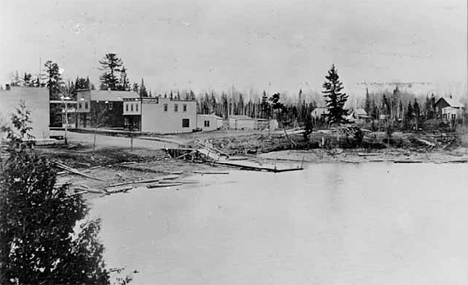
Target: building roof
[[240, 117], [319, 111], [361, 112], [210, 115], [451, 102], [116, 96]]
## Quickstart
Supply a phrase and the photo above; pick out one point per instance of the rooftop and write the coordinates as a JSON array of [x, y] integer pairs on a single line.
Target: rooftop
[[452, 102], [240, 117], [116, 96]]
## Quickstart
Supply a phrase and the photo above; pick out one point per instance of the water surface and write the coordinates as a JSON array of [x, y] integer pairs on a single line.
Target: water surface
[[329, 224]]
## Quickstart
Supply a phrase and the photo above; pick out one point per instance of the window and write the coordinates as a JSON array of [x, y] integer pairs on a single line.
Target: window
[[176, 108], [207, 123], [136, 107], [454, 116], [86, 105], [131, 107], [111, 106], [165, 107], [80, 106], [185, 108], [126, 107], [185, 123]]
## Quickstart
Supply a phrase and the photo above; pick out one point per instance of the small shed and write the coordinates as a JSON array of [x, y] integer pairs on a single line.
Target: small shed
[[209, 122], [241, 122]]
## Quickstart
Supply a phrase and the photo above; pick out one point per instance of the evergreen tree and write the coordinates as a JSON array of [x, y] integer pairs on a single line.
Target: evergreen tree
[[417, 112], [111, 64], [81, 83], [143, 92], [265, 106], [135, 88], [27, 79], [37, 220], [334, 98], [54, 79], [409, 114], [124, 84], [367, 104]]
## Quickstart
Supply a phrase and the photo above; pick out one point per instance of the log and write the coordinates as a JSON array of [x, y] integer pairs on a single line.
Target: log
[[75, 171], [426, 142]]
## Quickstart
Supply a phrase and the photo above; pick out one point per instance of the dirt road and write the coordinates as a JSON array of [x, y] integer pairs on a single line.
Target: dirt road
[[103, 141]]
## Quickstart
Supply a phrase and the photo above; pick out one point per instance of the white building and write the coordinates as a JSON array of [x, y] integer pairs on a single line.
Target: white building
[[160, 115], [241, 122], [209, 122], [37, 102]]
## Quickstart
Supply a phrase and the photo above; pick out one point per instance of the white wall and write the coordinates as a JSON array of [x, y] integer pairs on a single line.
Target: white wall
[[214, 122], [239, 124], [155, 119], [37, 102]]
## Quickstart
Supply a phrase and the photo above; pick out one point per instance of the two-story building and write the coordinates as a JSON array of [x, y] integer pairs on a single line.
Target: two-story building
[[36, 100], [160, 115], [103, 108]]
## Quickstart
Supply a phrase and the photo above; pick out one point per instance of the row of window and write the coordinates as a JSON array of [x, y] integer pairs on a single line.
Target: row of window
[[131, 107], [176, 108], [80, 105]]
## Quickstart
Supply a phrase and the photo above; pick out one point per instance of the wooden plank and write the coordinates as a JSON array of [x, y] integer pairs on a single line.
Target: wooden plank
[[158, 185], [75, 171], [211, 172]]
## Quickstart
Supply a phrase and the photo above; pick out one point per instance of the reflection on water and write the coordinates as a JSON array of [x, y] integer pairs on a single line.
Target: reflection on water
[[330, 224]]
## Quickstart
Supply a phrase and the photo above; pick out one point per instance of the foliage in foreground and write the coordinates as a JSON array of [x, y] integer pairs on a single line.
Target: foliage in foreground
[[38, 243]]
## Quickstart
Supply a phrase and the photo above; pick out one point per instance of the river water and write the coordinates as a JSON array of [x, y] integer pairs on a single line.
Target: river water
[[329, 224]]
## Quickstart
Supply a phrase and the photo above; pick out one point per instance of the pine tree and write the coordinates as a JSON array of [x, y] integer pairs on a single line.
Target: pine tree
[[54, 79], [367, 104], [334, 98], [37, 221], [409, 114], [111, 64], [124, 84], [417, 112], [135, 88], [143, 92]]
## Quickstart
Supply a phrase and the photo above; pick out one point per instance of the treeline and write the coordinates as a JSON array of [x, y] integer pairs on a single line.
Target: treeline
[[405, 109]]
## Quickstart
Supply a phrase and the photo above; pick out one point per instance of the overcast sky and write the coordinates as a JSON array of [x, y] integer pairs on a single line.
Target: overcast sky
[[274, 45]]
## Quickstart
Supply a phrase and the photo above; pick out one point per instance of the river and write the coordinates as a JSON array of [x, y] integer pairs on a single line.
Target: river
[[376, 223]]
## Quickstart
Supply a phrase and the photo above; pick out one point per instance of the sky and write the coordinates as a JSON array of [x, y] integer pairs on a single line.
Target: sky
[[277, 45]]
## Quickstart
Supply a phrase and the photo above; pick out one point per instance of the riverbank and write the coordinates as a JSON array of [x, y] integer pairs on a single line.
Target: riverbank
[[114, 162]]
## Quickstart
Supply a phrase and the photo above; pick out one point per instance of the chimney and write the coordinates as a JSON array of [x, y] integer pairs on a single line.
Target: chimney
[[7, 86]]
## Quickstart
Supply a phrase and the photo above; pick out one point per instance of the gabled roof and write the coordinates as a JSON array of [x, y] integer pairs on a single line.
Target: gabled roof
[[115, 96], [451, 102], [361, 112]]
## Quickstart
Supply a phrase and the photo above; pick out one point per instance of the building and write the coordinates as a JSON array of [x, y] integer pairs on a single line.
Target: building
[[358, 116], [319, 113], [160, 115], [448, 109], [241, 122], [103, 108], [262, 124], [209, 122], [37, 102]]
